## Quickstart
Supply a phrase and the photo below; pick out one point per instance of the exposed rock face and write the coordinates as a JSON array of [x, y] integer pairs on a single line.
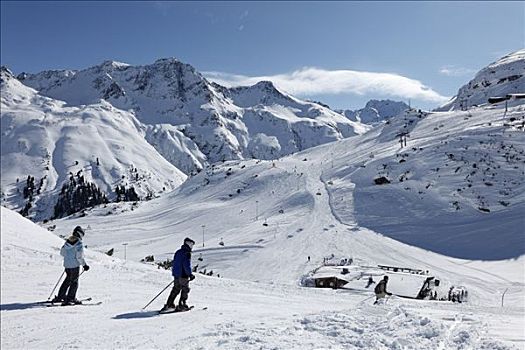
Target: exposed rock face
[[505, 76], [94, 147], [376, 111], [213, 122]]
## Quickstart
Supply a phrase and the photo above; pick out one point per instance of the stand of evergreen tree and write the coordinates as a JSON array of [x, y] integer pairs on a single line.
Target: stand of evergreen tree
[[25, 211], [29, 187], [77, 195], [28, 192], [126, 194]]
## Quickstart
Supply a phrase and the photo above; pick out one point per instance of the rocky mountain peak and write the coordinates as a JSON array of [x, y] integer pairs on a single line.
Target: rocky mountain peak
[[110, 64], [502, 77], [376, 111], [193, 122], [265, 85], [5, 73], [167, 60], [175, 66]]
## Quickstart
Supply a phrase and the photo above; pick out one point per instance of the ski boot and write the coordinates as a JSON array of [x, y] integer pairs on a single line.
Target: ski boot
[[57, 299], [167, 307], [183, 306]]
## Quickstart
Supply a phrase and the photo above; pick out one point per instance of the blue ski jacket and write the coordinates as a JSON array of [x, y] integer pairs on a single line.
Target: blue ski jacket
[[181, 266]]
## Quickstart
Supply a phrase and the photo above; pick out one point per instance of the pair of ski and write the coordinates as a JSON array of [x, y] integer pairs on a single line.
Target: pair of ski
[[85, 302], [176, 310]]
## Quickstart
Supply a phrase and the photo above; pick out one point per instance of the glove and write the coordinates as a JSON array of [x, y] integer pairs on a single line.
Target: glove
[[192, 277], [86, 267]]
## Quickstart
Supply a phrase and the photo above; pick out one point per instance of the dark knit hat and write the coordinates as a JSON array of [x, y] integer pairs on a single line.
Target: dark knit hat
[[187, 239], [79, 232]]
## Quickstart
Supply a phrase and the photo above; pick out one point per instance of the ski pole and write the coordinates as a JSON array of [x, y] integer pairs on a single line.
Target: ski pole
[[50, 295], [76, 280], [156, 296], [362, 301]]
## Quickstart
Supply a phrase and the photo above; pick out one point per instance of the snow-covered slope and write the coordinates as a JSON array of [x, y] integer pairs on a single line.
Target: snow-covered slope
[[505, 76], [376, 111], [239, 314], [51, 141], [458, 188], [194, 122]]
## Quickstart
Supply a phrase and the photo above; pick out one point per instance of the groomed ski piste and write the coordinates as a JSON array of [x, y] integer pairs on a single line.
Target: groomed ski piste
[[272, 215]]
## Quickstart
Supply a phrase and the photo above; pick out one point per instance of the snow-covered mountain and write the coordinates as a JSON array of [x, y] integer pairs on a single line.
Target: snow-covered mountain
[[505, 76], [55, 144], [193, 122], [456, 188], [135, 116], [376, 111]]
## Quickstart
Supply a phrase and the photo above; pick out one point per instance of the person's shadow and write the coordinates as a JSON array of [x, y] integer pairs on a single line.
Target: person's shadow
[[21, 306], [143, 314]]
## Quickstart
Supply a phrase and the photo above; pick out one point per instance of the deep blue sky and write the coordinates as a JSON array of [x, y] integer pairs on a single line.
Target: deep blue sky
[[416, 40]]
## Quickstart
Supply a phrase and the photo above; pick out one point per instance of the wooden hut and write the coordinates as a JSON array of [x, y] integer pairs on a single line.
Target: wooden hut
[[329, 282]]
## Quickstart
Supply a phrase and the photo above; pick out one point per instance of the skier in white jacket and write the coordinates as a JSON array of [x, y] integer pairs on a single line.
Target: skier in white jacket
[[73, 253]]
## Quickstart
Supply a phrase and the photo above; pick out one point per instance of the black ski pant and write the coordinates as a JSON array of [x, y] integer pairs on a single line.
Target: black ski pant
[[180, 285], [68, 289]]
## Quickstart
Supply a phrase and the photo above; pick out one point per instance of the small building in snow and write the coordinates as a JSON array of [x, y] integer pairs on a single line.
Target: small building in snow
[[403, 281], [329, 282]]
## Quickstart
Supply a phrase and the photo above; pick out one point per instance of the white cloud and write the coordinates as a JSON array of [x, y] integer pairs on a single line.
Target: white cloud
[[241, 27], [453, 71], [311, 81]]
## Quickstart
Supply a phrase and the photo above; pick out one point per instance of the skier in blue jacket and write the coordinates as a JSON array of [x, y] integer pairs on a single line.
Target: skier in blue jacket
[[73, 253], [182, 275]]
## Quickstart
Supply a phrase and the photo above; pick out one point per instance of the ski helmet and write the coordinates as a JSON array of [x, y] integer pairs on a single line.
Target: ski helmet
[[78, 232]]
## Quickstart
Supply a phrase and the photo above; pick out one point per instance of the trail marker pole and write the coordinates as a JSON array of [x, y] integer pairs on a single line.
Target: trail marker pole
[[503, 296], [125, 251]]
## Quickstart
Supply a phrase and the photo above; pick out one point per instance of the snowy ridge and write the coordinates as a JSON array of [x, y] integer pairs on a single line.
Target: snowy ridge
[[50, 141], [376, 111], [219, 123], [239, 314], [505, 76]]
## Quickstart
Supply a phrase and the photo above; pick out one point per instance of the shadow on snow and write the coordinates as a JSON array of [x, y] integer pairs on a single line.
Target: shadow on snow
[[21, 306], [140, 314]]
